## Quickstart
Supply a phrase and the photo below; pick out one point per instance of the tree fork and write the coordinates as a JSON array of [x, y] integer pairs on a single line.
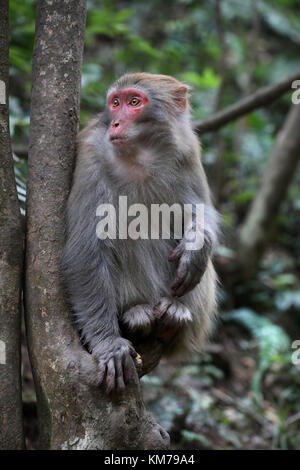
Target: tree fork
[[73, 412]]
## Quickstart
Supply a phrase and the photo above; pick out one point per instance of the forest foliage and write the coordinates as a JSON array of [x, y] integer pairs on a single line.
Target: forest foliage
[[244, 391]]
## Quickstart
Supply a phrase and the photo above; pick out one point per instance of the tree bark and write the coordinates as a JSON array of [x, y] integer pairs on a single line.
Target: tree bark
[[11, 261], [73, 412], [261, 97], [277, 176]]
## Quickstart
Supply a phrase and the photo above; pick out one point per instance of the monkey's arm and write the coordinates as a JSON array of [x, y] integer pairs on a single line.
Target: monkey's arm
[[192, 263], [85, 266]]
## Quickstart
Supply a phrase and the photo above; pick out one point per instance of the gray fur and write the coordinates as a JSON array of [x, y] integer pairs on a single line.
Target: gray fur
[[106, 278]]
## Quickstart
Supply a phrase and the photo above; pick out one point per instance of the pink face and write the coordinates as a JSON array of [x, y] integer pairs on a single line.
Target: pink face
[[125, 106]]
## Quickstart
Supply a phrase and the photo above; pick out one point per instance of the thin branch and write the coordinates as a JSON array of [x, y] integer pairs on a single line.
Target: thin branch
[[223, 71], [278, 174], [261, 97]]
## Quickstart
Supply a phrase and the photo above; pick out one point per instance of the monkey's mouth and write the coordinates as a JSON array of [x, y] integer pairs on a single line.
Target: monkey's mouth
[[118, 140]]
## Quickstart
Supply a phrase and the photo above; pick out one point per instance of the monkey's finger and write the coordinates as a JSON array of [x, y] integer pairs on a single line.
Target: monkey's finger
[[183, 288], [186, 286], [133, 352], [119, 370], [161, 308], [190, 282], [184, 282], [198, 269], [101, 372], [177, 283], [110, 375], [175, 253], [127, 368], [180, 276]]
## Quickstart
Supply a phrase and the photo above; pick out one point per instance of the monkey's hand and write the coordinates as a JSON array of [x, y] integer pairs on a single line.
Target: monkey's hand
[[191, 267], [115, 364]]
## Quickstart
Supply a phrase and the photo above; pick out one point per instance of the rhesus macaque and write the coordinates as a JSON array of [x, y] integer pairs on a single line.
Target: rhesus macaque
[[143, 147]]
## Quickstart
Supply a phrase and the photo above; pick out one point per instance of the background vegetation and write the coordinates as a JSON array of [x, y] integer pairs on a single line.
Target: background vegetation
[[244, 391]]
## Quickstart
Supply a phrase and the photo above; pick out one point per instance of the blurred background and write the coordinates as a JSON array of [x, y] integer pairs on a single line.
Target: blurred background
[[244, 391]]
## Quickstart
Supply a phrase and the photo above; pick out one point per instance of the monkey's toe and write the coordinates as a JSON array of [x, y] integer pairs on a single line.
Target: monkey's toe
[[162, 306], [172, 312], [179, 313], [139, 318], [171, 316]]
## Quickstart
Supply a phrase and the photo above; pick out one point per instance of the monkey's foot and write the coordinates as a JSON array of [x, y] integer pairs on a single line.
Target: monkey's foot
[[172, 311], [170, 316], [139, 319], [114, 362]]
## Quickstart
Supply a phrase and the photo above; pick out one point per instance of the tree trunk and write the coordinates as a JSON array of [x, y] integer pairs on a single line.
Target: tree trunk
[[73, 412], [277, 176], [11, 261]]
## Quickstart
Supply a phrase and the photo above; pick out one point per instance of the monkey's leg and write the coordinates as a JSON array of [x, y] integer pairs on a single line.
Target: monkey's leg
[[139, 320], [171, 315]]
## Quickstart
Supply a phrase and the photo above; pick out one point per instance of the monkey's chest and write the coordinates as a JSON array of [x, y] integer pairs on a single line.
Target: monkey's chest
[[144, 273], [150, 222]]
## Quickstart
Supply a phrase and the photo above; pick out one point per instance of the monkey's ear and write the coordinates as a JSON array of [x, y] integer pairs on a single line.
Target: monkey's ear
[[181, 97]]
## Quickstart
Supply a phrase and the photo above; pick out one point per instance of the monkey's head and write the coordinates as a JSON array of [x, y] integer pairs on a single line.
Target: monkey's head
[[144, 108]]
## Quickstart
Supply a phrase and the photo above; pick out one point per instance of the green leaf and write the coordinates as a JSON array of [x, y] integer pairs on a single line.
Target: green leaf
[[208, 79], [191, 436], [271, 340], [244, 196], [18, 58]]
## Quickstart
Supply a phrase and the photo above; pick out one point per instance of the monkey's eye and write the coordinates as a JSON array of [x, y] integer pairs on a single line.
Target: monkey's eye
[[115, 102], [134, 102]]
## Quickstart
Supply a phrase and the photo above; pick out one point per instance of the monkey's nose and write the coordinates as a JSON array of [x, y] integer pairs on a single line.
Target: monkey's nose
[[116, 124]]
